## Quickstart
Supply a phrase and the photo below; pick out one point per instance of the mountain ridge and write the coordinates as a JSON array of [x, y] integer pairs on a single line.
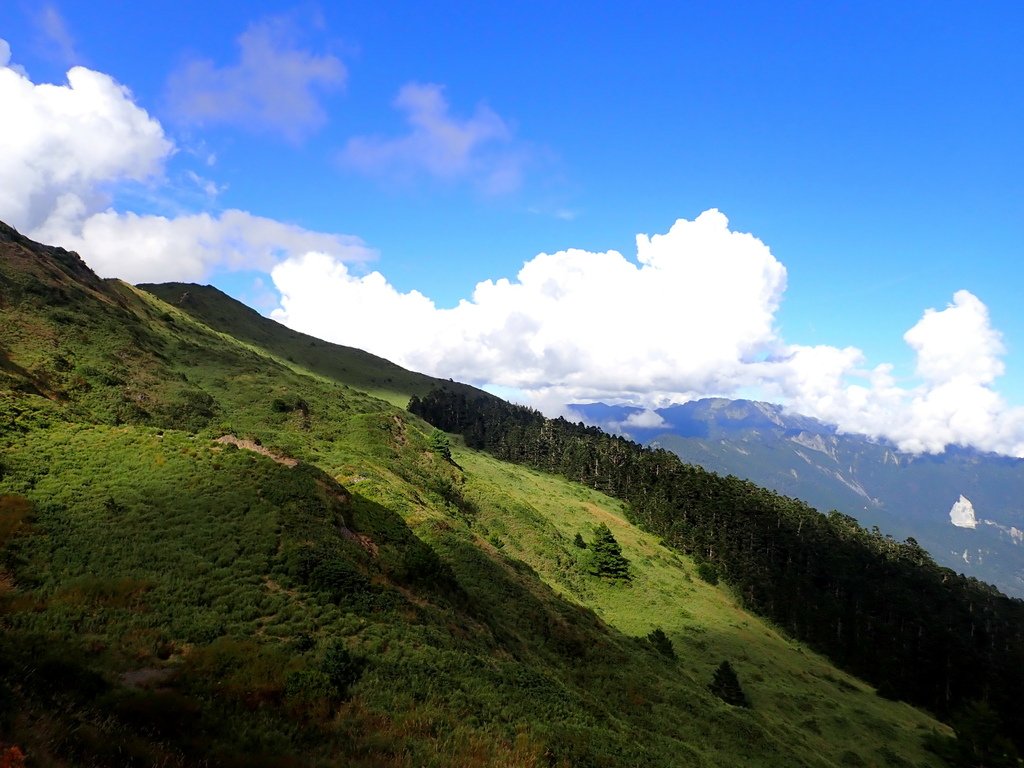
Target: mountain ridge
[[374, 604], [904, 494]]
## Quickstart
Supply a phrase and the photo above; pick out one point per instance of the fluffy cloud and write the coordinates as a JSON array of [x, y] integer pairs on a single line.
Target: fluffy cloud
[[67, 145], [63, 143], [5, 58], [958, 359], [957, 343], [273, 87], [155, 249], [692, 316], [440, 145], [687, 315]]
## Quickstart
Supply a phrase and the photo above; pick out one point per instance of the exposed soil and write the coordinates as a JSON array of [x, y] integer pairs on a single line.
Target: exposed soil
[[250, 445]]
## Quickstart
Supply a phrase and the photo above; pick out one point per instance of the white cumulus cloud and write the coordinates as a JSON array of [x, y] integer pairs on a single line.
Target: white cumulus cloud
[[156, 248], [959, 357], [697, 303], [65, 147], [693, 315], [63, 143], [957, 343]]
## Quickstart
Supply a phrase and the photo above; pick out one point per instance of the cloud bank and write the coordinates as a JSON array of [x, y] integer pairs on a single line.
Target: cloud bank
[[71, 144], [952, 402], [591, 324], [692, 316], [186, 248]]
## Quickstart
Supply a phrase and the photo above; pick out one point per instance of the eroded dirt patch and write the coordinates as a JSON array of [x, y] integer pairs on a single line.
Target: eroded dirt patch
[[252, 445]]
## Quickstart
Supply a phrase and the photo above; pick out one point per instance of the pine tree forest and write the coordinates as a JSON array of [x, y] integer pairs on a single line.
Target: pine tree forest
[[880, 608]]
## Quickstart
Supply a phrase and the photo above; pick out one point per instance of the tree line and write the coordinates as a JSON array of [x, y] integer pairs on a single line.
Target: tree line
[[880, 608]]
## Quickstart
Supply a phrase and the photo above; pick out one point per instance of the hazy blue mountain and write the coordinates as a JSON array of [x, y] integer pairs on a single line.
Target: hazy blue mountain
[[903, 494]]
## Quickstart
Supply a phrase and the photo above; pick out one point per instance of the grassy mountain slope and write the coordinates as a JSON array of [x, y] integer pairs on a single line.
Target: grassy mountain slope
[[213, 554], [902, 493], [799, 697], [357, 368]]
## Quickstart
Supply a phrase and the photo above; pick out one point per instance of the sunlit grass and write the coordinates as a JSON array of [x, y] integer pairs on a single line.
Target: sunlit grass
[[140, 549]]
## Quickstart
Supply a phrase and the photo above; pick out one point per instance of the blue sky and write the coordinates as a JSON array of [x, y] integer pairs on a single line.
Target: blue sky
[[875, 148]]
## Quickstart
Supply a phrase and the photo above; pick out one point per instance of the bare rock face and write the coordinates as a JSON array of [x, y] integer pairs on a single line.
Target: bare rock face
[[961, 514]]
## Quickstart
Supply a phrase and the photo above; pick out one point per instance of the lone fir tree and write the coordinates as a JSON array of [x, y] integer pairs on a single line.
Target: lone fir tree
[[606, 558], [661, 642], [726, 686]]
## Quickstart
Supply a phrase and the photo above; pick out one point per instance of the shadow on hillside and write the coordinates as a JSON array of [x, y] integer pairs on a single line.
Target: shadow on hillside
[[25, 381]]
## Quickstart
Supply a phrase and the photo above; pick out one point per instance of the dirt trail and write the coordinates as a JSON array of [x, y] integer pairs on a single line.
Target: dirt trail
[[250, 445]]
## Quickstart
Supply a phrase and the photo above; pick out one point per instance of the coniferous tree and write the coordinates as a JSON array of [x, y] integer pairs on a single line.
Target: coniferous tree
[[606, 557], [881, 609], [579, 542], [661, 642], [978, 741], [726, 686]]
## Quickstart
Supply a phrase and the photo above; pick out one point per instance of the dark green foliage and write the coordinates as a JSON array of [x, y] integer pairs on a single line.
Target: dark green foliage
[[979, 741], [289, 404], [726, 686], [310, 685], [341, 668], [191, 412], [708, 572], [875, 606], [441, 445], [606, 558], [338, 577], [209, 604], [661, 643], [578, 541]]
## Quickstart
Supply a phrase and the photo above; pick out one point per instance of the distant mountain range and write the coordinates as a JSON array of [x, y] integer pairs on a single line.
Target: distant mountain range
[[964, 506]]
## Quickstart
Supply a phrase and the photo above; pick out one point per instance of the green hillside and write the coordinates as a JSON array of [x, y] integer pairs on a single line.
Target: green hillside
[[354, 367], [217, 547]]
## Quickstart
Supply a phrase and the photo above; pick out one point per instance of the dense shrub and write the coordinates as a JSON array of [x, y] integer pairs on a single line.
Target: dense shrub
[[708, 572], [341, 668]]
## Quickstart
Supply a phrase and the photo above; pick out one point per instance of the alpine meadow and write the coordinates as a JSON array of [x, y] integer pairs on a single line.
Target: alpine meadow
[[223, 547], [517, 385]]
